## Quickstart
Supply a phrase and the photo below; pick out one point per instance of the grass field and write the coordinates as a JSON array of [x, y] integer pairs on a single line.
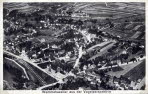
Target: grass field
[[137, 72], [130, 70], [116, 10]]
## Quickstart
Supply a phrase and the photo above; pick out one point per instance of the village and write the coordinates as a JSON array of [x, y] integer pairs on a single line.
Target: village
[[72, 46]]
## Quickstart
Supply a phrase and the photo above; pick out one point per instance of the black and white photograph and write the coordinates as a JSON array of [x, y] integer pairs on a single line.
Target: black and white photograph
[[74, 46]]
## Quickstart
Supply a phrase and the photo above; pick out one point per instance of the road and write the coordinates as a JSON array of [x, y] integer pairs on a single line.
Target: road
[[80, 55], [19, 66], [46, 86], [32, 71], [57, 76], [23, 65], [35, 65]]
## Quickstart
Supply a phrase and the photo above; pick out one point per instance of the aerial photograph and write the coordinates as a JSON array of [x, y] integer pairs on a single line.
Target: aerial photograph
[[74, 46]]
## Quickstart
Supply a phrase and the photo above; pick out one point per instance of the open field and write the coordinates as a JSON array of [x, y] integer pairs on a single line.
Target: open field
[[137, 72], [127, 69]]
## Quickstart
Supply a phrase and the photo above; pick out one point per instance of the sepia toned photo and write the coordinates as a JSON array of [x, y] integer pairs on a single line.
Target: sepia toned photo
[[74, 46]]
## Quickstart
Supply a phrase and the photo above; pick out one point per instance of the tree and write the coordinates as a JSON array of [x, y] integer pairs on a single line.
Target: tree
[[13, 13], [5, 12]]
